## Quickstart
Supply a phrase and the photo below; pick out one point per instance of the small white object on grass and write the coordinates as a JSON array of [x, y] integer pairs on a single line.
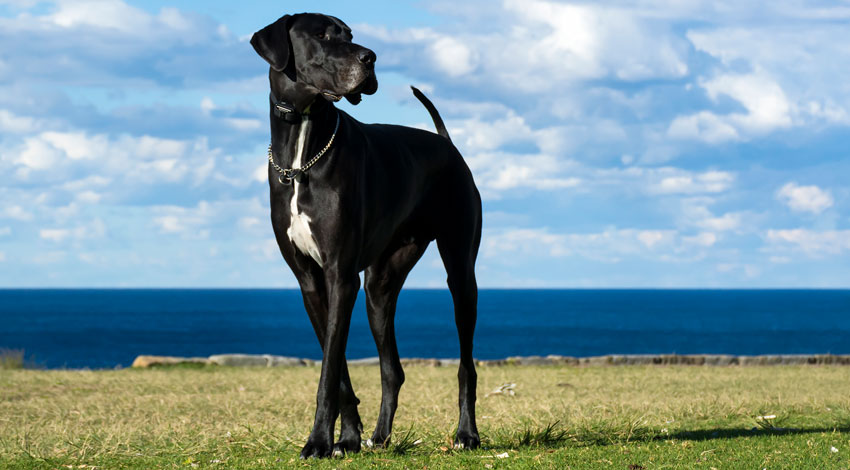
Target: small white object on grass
[[833, 449], [504, 389]]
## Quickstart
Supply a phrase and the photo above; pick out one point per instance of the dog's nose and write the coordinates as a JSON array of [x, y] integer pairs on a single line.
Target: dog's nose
[[366, 56]]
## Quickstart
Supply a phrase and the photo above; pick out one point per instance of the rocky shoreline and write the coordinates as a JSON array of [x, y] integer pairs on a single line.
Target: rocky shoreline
[[268, 360]]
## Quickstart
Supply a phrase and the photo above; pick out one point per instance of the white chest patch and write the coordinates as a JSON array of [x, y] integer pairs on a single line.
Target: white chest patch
[[299, 232]]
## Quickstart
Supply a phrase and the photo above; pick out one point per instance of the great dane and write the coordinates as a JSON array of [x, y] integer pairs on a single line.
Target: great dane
[[348, 197]]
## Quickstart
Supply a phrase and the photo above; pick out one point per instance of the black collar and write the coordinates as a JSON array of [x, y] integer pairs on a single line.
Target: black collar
[[286, 111]]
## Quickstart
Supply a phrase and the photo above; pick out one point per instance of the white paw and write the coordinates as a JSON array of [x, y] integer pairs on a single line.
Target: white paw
[[369, 443]]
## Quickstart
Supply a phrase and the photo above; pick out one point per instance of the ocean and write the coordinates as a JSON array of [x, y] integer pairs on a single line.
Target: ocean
[[105, 328]]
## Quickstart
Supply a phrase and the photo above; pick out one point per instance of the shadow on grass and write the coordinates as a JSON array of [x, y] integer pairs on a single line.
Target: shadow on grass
[[734, 433], [555, 436]]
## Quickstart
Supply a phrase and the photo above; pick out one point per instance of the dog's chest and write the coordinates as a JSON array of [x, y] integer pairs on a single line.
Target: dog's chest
[[299, 231]]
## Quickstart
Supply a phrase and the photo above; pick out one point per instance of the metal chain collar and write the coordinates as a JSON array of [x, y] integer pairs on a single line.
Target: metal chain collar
[[288, 175]]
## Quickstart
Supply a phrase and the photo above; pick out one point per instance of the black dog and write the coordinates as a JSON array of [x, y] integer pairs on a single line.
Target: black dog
[[348, 197]]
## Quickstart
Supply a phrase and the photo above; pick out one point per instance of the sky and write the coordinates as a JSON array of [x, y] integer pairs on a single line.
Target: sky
[[646, 143]]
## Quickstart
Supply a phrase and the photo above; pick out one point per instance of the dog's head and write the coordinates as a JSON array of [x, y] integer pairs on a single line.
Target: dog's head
[[316, 52]]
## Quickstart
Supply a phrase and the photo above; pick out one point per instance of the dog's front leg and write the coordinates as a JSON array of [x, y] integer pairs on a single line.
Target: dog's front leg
[[342, 292]]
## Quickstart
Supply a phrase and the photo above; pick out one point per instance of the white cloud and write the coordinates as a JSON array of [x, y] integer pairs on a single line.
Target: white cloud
[[525, 241], [805, 198], [650, 238], [117, 16], [748, 270], [765, 102], [17, 213], [261, 173], [610, 246], [35, 154], [94, 229], [188, 222], [247, 223], [496, 172], [793, 62], [207, 105], [704, 239], [584, 41], [766, 105], [56, 235], [474, 134], [812, 243], [111, 14], [453, 57], [12, 123], [675, 181], [726, 222], [143, 159], [705, 126], [209, 219], [244, 124], [5, 231], [535, 46], [695, 213]]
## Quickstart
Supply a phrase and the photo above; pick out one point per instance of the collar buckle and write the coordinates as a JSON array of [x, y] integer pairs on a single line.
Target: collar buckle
[[285, 111]]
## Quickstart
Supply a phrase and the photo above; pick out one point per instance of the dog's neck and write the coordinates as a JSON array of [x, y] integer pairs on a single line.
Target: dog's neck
[[311, 121]]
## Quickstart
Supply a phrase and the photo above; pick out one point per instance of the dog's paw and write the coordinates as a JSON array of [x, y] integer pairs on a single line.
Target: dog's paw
[[378, 442], [316, 449], [467, 440], [347, 446]]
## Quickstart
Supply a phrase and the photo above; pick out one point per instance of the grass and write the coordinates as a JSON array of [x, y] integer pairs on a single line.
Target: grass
[[11, 359], [559, 417]]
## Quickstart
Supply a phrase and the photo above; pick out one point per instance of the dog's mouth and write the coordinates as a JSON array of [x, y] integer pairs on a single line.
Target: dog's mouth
[[368, 86]]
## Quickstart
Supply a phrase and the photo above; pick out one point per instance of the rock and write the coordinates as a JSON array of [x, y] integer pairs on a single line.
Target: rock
[[268, 360], [239, 360], [797, 359], [719, 360], [563, 360], [529, 361], [491, 363], [596, 361], [368, 361], [256, 360], [155, 361], [535, 361], [417, 361], [284, 361]]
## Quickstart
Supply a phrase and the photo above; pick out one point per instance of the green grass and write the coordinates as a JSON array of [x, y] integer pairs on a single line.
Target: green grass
[[559, 417]]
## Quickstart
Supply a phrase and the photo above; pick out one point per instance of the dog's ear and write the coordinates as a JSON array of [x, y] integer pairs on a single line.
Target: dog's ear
[[272, 43]]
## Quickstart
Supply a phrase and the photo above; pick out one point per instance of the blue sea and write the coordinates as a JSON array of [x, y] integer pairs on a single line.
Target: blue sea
[[106, 328]]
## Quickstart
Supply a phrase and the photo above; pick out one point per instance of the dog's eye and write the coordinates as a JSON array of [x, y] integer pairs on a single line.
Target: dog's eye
[[321, 35]]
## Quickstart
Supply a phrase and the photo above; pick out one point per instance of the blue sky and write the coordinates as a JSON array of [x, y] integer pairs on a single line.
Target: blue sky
[[650, 143]]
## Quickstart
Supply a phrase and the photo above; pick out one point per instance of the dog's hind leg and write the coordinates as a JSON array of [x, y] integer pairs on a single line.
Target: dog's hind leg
[[383, 282], [458, 249], [314, 293]]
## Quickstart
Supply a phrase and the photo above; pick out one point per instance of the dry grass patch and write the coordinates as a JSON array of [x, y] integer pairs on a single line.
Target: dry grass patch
[[216, 415]]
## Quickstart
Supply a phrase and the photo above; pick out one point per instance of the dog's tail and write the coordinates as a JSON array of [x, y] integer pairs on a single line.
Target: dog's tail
[[435, 116]]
